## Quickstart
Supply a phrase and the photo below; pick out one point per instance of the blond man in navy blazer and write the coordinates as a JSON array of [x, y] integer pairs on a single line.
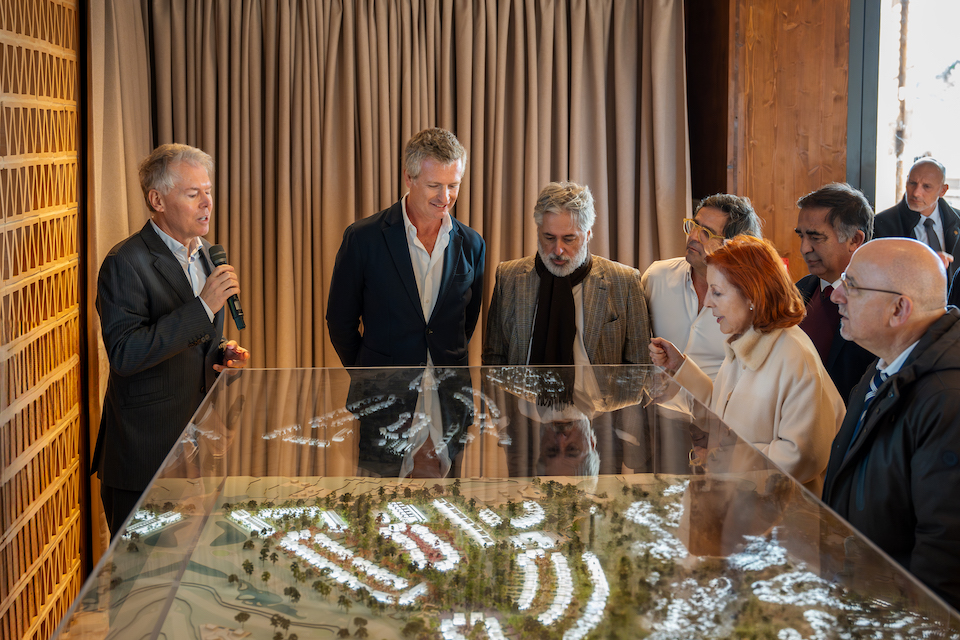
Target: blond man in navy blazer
[[412, 274]]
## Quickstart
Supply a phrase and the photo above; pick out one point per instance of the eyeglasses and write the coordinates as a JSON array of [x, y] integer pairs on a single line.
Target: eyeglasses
[[689, 224], [853, 289]]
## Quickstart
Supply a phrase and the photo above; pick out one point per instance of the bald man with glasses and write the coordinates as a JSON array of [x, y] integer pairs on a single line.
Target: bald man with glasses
[[894, 470]]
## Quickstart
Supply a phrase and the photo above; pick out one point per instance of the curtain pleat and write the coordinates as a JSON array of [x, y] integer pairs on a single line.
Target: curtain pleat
[[118, 137]]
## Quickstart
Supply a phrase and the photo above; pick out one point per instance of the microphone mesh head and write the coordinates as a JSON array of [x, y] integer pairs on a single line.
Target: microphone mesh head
[[217, 255]]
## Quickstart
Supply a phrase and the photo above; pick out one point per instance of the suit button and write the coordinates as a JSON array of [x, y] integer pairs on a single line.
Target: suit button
[[429, 332]]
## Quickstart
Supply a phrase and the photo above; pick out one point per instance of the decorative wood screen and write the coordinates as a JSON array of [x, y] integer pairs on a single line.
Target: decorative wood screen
[[40, 370]]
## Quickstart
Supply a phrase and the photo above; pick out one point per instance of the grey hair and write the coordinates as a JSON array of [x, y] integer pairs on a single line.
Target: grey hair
[[571, 197], [849, 209], [156, 170], [742, 220], [931, 160], [436, 144]]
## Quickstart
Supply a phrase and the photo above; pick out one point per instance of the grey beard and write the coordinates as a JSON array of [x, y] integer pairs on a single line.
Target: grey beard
[[572, 265]]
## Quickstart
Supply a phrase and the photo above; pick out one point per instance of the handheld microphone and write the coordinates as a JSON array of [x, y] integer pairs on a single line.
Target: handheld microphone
[[218, 256]]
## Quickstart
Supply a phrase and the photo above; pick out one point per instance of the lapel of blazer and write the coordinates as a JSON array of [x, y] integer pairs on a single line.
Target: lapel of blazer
[[394, 234], [806, 286], [595, 300], [167, 264], [841, 443], [451, 260], [908, 220], [525, 305]]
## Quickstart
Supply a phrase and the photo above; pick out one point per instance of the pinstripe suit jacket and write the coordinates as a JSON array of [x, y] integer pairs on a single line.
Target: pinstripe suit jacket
[[161, 346], [616, 324]]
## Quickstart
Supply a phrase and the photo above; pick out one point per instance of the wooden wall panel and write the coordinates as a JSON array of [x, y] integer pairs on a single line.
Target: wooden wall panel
[[789, 107], [41, 524]]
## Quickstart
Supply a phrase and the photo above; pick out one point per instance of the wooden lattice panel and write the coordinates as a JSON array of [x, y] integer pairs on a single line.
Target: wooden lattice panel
[[33, 419], [41, 428], [53, 23], [34, 188], [28, 72]]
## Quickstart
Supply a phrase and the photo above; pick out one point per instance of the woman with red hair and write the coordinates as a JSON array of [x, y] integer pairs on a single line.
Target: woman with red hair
[[772, 388]]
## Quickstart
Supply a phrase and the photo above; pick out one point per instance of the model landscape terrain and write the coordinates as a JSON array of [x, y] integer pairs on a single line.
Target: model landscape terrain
[[470, 559]]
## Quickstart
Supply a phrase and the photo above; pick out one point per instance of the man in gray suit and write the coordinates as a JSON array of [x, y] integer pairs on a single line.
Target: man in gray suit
[[564, 305], [161, 302]]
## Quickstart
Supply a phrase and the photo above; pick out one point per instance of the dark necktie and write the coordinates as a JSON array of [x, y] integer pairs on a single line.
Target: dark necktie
[[875, 384], [821, 322], [932, 238]]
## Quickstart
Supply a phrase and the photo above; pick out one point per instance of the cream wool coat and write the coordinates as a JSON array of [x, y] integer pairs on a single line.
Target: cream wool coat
[[773, 391]]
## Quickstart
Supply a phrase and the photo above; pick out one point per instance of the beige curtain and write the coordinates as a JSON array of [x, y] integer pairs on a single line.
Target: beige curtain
[[306, 105], [118, 137]]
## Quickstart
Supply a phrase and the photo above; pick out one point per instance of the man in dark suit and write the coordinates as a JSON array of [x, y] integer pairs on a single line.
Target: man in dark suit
[[924, 214], [833, 222], [413, 276], [161, 302], [412, 273]]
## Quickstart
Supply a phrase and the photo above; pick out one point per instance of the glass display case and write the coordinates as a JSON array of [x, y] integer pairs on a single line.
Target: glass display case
[[520, 502]]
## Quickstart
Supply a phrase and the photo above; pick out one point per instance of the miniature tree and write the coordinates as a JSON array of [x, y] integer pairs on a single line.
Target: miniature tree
[[344, 602], [265, 576], [344, 632], [278, 636], [242, 617], [322, 588], [248, 545], [248, 567], [264, 552], [412, 628], [232, 578], [132, 547]]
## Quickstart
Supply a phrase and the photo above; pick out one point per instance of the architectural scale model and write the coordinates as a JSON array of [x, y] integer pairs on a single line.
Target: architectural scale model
[[371, 558]]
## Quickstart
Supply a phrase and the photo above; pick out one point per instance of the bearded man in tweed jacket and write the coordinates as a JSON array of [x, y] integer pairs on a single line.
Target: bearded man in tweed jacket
[[564, 305]]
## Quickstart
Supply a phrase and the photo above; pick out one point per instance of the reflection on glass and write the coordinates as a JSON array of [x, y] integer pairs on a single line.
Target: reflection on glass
[[512, 502]]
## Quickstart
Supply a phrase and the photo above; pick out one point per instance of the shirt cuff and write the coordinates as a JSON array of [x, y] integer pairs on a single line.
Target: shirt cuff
[[210, 314]]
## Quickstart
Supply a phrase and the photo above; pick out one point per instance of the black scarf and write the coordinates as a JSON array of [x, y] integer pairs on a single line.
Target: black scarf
[[555, 328]]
